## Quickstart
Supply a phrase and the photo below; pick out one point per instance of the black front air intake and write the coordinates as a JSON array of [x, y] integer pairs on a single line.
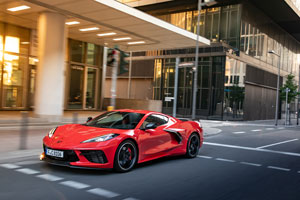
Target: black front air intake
[[94, 156]]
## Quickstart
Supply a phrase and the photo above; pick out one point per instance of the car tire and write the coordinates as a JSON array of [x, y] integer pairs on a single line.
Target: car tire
[[193, 146], [125, 156]]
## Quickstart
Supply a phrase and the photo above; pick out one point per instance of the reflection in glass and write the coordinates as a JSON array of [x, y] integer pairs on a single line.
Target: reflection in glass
[[76, 87], [92, 54], [234, 92], [12, 80], [91, 88], [76, 50]]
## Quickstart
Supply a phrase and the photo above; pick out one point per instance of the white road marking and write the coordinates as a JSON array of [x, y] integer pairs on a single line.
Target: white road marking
[[225, 160], [299, 172], [207, 157], [279, 168], [27, 171], [256, 130], [281, 128], [269, 129], [10, 166], [252, 164], [49, 177], [252, 149], [30, 162], [277, 143], [74, 184], [102, 192], [239, 132]]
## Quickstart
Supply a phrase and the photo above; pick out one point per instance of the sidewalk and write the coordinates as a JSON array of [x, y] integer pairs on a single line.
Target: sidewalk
[[13, 119]]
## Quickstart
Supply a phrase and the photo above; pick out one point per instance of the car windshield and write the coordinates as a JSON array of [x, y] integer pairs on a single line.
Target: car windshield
[[116, 120]]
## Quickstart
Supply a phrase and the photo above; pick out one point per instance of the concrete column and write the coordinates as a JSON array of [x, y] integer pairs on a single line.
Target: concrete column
[[49, 94]]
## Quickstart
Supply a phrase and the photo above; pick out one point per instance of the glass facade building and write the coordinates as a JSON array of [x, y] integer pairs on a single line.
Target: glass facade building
[[241, 37], [18, 66]]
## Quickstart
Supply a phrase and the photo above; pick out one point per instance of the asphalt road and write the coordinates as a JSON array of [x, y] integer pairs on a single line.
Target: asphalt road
[[242, 162]]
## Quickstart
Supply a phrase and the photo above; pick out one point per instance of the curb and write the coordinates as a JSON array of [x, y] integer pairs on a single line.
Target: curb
[[20, 154]]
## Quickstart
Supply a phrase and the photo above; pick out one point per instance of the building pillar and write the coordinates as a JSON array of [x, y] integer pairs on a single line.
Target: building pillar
[[49, 94]]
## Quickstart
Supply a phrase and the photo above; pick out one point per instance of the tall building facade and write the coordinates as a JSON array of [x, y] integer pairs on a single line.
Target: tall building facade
[[237, 76]]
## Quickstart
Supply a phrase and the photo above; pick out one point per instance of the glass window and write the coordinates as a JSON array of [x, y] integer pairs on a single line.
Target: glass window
[[233, 25], [76, 51], [91, 88], [208, 26], [116, 120], [155, 118], [92, 57], [13, 78], [18, 39], [76, 87]]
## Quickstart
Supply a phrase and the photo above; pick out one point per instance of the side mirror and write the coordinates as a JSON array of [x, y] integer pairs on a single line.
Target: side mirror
[[150, 126], [89, 119]]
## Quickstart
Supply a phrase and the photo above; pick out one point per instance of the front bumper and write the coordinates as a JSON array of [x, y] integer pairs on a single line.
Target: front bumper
[[82, 158]]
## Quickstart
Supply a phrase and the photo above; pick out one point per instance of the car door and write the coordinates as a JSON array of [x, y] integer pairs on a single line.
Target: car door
[[155, 142]]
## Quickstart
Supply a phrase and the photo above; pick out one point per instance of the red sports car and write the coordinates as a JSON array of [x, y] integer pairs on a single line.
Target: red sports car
[[119, 139]]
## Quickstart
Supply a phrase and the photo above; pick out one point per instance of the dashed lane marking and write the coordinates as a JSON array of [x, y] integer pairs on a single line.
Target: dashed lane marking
[[270, 145], [251, 164], [269, 129], [252, 149], [225, 160], [29, 162], [280, 128], [103, 193], [75, 184], [239, 132], [10, 166], [255, 164], [49, 177], [27, 171], [207, 157], [279, 168], [256, 130]]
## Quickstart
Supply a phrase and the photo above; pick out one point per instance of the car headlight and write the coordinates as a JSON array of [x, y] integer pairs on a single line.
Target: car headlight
[[102, 138], [50, 134]]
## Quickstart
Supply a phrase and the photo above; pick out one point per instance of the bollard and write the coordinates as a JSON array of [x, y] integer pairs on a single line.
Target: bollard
[[24, 130], [75, 118]]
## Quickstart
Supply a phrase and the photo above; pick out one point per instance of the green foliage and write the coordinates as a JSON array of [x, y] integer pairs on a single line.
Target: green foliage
[[289, 83]]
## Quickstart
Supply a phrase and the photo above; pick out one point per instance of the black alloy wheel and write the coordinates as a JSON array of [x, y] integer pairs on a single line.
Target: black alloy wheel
[[193, 146], [125, 157]]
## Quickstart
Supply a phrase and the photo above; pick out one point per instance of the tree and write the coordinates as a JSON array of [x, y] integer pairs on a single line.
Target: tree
[[291, 85], [292, 94]]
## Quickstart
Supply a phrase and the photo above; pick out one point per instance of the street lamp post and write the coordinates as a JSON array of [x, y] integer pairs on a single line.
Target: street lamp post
[[278, 80]]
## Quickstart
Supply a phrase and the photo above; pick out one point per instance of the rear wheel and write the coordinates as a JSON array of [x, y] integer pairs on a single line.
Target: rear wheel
[[193, 146], [125, 157]]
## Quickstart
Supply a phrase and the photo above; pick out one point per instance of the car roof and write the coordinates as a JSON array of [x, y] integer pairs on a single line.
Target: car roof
[[136, 111]]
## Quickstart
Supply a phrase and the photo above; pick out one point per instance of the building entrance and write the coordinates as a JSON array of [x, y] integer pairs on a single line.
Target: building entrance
[[82, 93]]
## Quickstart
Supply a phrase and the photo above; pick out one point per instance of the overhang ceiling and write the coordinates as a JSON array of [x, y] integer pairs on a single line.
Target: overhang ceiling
[[108, 16], [283, 12]]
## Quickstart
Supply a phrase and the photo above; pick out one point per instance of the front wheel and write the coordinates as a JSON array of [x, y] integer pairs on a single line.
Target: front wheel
[[125, 156], [193, 146]]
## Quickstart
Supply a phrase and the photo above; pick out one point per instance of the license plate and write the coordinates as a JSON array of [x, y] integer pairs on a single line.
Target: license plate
[[54, 153]]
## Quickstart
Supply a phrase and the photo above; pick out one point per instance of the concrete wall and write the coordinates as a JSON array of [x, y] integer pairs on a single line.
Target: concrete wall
[[139, 104], [141, 88]]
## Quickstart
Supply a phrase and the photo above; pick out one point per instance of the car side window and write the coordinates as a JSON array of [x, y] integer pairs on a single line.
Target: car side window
[[155, 118]]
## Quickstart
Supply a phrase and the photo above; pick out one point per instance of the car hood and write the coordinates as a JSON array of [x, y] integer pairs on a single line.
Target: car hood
[[73, 134]]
